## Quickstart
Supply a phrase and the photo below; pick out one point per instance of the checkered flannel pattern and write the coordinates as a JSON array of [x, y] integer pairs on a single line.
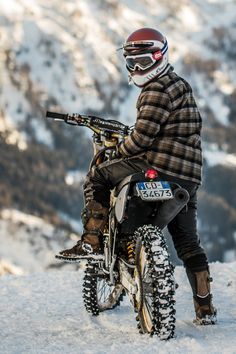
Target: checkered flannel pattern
[[168, 128]]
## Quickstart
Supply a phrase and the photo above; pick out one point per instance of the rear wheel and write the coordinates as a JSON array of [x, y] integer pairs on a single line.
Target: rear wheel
[[99, 295], [154, 300]]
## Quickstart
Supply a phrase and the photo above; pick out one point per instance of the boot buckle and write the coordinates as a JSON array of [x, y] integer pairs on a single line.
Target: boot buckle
[[86, 247]]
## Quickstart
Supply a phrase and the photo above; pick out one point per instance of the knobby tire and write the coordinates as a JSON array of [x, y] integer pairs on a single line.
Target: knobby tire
[[155, 303]]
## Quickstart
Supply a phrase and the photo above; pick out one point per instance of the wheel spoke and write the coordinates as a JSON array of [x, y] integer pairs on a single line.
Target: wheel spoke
[[146, 271], [149, 308], [99, 294], [104, 291]]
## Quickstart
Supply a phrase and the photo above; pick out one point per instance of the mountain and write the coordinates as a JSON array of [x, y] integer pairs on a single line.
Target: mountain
[[29, 243], [43, 313], [62, 56]]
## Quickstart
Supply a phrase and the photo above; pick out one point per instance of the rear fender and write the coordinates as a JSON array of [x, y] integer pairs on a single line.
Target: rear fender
[[121, 203], [121, 192]]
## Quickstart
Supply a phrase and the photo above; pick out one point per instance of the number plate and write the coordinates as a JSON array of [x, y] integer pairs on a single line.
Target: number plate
[[154, 190]]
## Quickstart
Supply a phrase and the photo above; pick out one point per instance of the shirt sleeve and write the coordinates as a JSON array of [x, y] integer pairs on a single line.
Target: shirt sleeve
[[153, 107]]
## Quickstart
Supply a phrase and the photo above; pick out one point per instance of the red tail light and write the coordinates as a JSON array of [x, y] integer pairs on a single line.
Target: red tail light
[[151, 174]]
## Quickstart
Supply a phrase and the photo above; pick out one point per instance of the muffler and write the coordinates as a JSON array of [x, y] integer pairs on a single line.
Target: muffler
[[171, 207]]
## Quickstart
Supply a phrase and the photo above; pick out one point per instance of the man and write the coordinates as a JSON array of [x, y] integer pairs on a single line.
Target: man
[[166, 136]]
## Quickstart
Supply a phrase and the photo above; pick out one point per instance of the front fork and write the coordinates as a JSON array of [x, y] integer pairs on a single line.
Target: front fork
[[109, 242], [110, 257], [125, 278]]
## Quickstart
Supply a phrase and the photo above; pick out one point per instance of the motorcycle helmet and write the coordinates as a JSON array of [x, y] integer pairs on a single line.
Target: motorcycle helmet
[[146, 55]]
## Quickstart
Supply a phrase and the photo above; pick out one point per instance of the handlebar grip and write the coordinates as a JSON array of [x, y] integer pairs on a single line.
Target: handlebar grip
[[55, 115]]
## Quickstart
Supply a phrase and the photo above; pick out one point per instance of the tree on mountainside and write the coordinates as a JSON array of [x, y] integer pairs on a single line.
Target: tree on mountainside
[[217, 211]]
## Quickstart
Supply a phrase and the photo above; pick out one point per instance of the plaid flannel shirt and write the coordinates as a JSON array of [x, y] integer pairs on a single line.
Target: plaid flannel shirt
[[167, 128]]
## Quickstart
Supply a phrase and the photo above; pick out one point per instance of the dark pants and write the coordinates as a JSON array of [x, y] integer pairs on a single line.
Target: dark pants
[[183, 228]]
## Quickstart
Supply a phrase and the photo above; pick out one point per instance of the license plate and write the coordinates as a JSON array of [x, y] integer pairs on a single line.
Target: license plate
[[154, 190]]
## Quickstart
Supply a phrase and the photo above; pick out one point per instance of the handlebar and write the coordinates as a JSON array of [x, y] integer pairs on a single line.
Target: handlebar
[[96, 124]]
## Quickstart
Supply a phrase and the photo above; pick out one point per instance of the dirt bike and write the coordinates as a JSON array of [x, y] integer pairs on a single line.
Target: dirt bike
[[136, 260]]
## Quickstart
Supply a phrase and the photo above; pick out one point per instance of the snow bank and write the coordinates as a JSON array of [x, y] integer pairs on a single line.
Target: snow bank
[[8, 268]]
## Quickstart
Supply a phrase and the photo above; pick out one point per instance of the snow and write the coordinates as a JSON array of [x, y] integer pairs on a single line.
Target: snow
[[44, 313], [74, 177], [189, 19], [70, 48], [215, 156], [210, 98], [223, 82], [128, 111], [8, 268], [29, 243], [11, 8], [71, 54], [17, 216]]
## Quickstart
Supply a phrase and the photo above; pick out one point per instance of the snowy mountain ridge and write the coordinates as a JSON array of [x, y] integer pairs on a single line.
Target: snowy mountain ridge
[[29, 243], [50, 58], [51, 55], [62, 56]]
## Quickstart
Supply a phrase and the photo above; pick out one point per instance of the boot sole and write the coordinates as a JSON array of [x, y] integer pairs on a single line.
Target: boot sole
[[75, 258], [208, 320]]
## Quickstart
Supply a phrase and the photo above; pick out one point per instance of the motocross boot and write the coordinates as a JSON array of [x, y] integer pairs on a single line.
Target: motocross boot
[[202, 297], [94, 217]]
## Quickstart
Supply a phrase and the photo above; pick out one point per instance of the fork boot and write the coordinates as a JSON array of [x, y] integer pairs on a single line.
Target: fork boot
[[202, 297], [94, 217]]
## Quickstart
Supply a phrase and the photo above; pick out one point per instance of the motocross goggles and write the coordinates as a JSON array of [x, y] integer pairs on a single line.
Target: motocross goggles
[[144, 61]]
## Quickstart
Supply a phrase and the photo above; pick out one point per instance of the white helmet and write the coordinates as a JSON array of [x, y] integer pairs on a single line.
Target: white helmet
[[146, 55]]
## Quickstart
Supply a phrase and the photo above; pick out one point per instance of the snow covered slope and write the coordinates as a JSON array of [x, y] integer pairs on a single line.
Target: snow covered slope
[[28, 243], [44, 314], [62, 55]]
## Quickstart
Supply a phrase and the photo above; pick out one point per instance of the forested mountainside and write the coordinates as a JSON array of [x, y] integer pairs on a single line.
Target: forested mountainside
[[62, 56]]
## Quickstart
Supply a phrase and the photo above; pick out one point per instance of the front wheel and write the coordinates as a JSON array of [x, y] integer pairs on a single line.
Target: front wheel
[[99, 295], [153, 274]]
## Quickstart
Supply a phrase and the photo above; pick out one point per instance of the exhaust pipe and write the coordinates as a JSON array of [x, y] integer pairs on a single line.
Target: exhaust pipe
[[171, 207]]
